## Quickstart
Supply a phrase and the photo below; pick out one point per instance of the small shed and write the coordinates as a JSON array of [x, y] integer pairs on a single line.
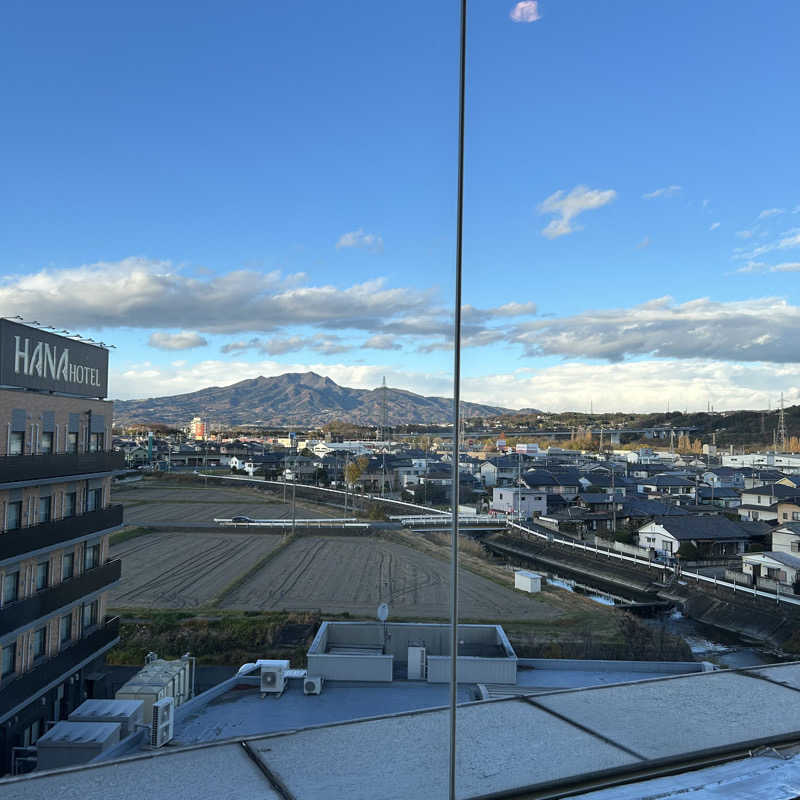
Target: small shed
[[128, 713], [527, 581], [70, 743]]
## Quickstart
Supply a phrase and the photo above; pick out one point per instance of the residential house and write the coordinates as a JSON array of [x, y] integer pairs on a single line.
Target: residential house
[[768, 569], [719, 496], [665, 484], [761, 502], [786, 538], [518, 501], [502, 471], [714, 537]]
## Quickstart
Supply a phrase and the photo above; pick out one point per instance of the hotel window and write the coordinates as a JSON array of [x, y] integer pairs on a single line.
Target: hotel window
[[96, 442], [42, 575], [46, 444], [67, 566], [89, 615], [9, 666], [72, 443], [14, 515], [10, 587], [94, 499], [70, 503], [39, 641], [65, 628], [16, 443], [45, 505], [91, 558]]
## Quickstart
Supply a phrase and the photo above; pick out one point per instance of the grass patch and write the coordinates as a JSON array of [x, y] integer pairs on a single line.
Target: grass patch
[[129, 533]]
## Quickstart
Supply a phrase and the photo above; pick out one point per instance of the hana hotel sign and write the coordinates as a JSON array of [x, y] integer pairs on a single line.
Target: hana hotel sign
[[34, 359]]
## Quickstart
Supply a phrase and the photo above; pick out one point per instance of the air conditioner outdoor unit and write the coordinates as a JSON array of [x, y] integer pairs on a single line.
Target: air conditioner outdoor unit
[[163, 722], [272, 680], [313, 684]]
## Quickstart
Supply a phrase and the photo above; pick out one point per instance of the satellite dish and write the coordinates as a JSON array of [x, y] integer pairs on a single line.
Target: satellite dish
[[383, 612]]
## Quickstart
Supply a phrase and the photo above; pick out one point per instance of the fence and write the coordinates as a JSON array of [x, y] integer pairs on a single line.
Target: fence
[[778, 596], [298, 523]]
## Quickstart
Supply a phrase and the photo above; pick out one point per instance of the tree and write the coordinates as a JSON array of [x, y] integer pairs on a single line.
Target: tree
[[354, 469]]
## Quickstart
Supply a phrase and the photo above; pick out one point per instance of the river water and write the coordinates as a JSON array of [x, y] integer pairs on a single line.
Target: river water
[[706, 642]]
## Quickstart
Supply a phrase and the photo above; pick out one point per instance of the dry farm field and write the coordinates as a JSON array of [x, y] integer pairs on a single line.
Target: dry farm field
[[340, 574], [184, 570], [152, 502]]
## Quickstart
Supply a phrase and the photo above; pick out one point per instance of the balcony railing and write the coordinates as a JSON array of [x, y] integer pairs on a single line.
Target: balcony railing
[[23, 612], [26, 685], [55, 465], [46, 534]]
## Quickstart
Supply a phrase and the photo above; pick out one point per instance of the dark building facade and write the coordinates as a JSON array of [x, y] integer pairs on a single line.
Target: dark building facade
[[56, 516]]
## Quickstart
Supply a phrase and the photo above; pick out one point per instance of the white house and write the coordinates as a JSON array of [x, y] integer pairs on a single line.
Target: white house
[[786, 538], [514, 500], [713, 536], [783, 568]]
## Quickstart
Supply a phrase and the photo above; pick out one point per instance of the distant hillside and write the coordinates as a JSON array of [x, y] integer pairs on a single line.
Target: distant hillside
[[294, 398]]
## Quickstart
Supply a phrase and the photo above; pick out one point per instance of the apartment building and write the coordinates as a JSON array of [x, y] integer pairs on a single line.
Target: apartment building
[[56, 467]]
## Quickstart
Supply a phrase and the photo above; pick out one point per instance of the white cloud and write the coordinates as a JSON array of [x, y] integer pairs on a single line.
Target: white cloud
[[567, 207], [786, 266], [183, 340], [744, 234], [383, 341], [771, 212], [788, 241], [664, 191], [525, 11], [700, 328], [753, 266], [366, 241], [279, 345], [644, 243], [714, 226], [140, 293], [639, 386]]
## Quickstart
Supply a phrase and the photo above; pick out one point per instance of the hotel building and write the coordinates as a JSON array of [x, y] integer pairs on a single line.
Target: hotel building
[[56, 516]]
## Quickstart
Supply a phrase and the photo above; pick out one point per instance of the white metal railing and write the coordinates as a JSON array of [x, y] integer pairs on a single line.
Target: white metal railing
[[776, 596], [421, 519], [594, 549], [349, 522], [339, 492]]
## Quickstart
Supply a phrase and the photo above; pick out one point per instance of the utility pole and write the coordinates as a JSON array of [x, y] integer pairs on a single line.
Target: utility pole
[[293, 504], [613, 500], [782, 428]]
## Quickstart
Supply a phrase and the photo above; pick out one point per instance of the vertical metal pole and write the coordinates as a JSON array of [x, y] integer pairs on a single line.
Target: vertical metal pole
[[293, 505], [457, 402]]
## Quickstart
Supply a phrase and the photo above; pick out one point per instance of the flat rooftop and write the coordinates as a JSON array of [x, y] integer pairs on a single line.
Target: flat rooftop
[[589, 739]]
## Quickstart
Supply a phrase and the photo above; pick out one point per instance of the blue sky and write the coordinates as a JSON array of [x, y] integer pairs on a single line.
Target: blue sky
[[227, 190]]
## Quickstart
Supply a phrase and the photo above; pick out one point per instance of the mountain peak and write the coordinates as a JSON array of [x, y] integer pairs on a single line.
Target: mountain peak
[[292, 398]]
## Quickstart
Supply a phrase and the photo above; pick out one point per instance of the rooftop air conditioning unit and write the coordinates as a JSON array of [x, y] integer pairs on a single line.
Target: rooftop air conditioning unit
[[273, 679], [313, 684], [163, 722]]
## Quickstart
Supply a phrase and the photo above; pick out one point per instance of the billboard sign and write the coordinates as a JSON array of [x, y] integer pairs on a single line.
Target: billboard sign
[[31, 358]]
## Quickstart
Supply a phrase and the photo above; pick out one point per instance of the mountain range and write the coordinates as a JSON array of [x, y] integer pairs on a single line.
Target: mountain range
[[294, 398]]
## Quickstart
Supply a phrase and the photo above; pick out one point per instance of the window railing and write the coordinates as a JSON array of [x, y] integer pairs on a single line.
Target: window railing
[[23, 686], [17, 614], [54, 465], [47, 534]]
